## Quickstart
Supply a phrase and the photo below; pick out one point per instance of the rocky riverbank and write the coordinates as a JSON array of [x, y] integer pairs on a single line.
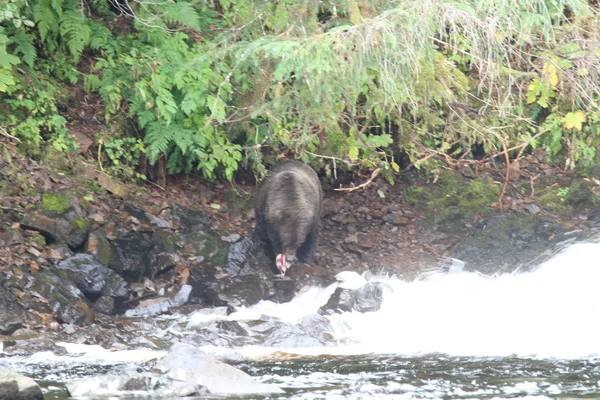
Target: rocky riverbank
[[86, 258]]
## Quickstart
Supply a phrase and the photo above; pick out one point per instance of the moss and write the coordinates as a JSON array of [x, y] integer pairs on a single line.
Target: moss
[[39, 239], [55, 202], [455, 199], [80, 224], [551, 200], [418, 195]]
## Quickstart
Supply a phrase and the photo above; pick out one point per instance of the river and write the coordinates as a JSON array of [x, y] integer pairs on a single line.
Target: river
[[448, 335]]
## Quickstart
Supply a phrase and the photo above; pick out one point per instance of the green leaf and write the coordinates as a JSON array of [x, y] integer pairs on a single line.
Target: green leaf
[[574, 120], [353, 152]]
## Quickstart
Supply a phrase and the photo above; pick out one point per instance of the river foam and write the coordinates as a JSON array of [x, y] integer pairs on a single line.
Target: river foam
[[552, 312]]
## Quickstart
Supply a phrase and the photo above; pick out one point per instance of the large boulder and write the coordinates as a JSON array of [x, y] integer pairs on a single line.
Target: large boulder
[[367, 298], [14, 386], [10, 312], [59, 297], [185, 371], [133, 255], [95, 280]]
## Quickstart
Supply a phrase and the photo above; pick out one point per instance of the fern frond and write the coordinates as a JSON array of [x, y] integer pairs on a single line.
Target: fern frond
[[168, 139], [57, 6], [182, 13], [158, 137], [45, 18], [100, 36], [146, 117], [24, 47], [102, 7], [91, 83], [75, 30]]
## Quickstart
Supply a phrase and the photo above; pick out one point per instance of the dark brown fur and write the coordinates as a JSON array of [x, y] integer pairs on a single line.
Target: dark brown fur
[[287, 207]]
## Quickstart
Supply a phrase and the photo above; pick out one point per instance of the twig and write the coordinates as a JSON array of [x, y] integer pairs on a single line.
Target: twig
[[351, 164], [3, 132], [532, 182], [362, 185]]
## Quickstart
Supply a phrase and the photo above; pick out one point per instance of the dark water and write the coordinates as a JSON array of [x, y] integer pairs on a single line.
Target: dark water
[[431, 377], [386, 377]]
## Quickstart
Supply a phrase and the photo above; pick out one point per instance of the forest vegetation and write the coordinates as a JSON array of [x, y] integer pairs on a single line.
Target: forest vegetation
[[212, 86]]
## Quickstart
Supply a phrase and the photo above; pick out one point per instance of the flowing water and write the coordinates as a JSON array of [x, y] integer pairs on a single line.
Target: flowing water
[[450, 335]]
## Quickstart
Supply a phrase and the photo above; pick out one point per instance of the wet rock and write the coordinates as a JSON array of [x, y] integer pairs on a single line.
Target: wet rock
[[243, 290], [146, 217], [165, 241], [223, 334], [583, 198], [185, 363], [14, 386], [189, 218], [54, 229], [144, 385], [76, 313], [159, 306], [239, 253], [59, 296], [134, 257], [310, 331], [78, 233], [367, 298], [185, 371], [507, 242], [99, 246], [93, 278], [234, 237], [532, 209], [105, 305], [342, 300], [10, 312], [165, 261], [206, 244]]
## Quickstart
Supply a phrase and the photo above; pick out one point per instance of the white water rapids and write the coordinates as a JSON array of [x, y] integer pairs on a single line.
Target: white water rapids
[[552, 312]]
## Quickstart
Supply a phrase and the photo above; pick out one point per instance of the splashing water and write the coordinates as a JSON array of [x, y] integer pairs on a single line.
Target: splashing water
[[551, 312]]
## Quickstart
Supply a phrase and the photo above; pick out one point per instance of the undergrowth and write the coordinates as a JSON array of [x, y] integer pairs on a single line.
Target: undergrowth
[[212, 86]]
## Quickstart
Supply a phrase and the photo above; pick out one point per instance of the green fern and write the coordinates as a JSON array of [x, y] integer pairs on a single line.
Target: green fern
[[91, 83], [57, 6], [75, 30], [182, 13], [24, 47], [46, 19], [159, 138], [100, 36]]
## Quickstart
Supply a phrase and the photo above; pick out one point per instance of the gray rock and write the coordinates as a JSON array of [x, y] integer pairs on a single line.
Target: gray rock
[[206, 244], [532, 209], [367, 298], [93, 278], [10, 312], [105, 305], [14, 386], [189, 218], [57, 229], [185, 371], [185, 363], [162, 306], [238, 254], [134, 255], [63, 298]]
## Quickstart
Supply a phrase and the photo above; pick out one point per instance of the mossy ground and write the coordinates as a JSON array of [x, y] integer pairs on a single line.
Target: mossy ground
[[55, 202], [455, 198]]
